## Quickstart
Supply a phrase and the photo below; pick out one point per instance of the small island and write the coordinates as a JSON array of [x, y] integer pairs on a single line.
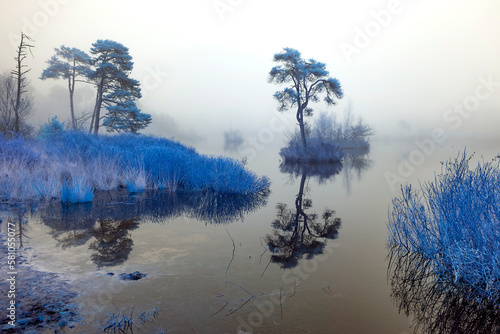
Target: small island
[[323, 141]]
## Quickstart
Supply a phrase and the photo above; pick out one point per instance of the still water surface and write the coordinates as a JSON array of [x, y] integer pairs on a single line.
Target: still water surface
[[208, 258]]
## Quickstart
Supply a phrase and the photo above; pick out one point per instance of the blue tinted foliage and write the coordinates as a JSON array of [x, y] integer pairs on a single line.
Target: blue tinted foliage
[[77, 191], [67, 63], [108, 50], [24, 152], [53, 128], [115, 89], [454, 224], [223, 175], [125, 117], [346, 133], [317, 150], [307, 78], [72, 166]]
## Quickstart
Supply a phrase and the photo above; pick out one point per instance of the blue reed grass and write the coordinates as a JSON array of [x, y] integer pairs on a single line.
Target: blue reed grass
[[454, 222], [95, 163]]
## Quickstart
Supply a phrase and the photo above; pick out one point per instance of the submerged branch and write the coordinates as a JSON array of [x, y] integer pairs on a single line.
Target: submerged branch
[[249, 299], [232, 258]]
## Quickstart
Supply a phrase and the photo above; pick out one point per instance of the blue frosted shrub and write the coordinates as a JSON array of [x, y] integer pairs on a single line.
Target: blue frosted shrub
[[454, 223]]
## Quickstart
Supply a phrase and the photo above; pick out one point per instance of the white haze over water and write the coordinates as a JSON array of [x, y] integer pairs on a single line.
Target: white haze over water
[[408, 66]]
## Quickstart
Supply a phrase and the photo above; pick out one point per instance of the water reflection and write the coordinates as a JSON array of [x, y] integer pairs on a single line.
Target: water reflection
[[354, 165], [435, 306], [113, 242], [108, 220], [17, 219], [356, 162], [298, 234], [233, 140]]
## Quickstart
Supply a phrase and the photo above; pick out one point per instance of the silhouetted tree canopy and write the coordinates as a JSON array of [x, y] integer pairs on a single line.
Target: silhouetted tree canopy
[[307, 79]]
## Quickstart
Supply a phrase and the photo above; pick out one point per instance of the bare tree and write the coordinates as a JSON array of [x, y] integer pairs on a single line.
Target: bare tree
[[8, 100], [19, 74], [82, 120]]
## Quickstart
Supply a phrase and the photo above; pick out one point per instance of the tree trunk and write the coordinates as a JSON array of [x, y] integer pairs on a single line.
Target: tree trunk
[[71, 90], [300, 119], [19, 85], [97, 108], [20, 76], [299, 207], [97, 113], [92, 121], [71, 86]]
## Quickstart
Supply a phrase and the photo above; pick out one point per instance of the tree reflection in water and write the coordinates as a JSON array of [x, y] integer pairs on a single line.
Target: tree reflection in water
[[113, 242], [354, 164], [108, 220], [298, 234], [436, 306]]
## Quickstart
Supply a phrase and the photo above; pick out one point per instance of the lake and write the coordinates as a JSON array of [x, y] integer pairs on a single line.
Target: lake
[[309, 257]]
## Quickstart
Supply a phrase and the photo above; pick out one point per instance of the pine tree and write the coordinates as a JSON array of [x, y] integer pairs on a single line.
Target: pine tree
[[115, 89], [308, 78], [69, 64]]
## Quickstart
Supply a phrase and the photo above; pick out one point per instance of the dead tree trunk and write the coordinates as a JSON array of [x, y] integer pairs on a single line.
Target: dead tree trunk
[[19, 76]]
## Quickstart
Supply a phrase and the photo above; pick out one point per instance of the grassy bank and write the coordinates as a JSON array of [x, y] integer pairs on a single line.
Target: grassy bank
[[72, 166]]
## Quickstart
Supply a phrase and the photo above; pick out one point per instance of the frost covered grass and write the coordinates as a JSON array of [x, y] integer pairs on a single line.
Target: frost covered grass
[[454, 224], [72, 166], [77, 191]]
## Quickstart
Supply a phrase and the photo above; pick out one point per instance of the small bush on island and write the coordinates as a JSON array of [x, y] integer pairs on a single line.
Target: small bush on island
[[454, 224], [71, 166], [348, 133], [317, 150], [326, 138]]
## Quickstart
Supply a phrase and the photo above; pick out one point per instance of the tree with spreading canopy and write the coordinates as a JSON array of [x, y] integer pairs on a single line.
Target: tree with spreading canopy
[[308, 79], [68, 63], [115, 89]]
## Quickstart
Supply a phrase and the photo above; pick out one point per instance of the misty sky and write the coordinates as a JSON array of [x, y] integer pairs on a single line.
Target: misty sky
[[203, 64]]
